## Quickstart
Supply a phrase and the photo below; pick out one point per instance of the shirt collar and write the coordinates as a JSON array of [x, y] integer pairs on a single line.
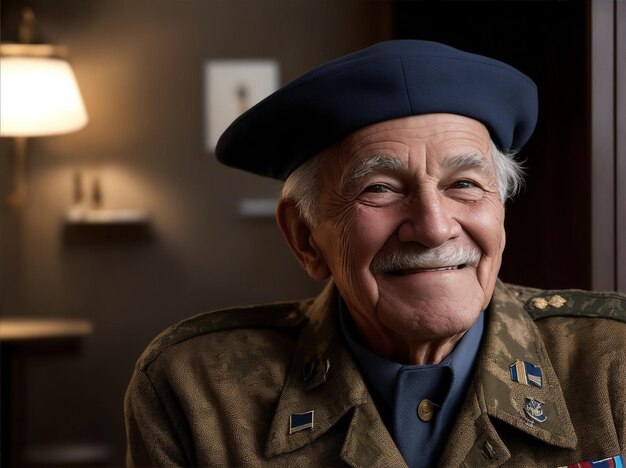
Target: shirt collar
[[381, 373]]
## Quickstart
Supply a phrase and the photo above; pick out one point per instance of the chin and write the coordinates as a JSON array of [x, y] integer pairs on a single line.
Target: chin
[[430, 315], [436, 325]]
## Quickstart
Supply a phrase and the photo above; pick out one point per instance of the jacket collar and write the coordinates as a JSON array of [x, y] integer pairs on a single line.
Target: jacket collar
[[510, 335], [324, 378]]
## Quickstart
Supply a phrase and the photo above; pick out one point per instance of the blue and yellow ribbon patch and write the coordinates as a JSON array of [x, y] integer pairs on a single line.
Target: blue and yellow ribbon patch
[[526, 373]]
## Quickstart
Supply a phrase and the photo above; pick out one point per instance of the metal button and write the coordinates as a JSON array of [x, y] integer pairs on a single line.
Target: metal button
[[426, 410]]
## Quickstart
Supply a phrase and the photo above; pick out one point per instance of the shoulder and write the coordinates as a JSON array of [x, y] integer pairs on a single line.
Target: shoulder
[[583, 336], [541, 304], [578, 327], [264, 319]]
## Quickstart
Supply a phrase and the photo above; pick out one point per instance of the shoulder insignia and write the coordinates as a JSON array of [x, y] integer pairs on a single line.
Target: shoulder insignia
[[283, 315], [575, 302]]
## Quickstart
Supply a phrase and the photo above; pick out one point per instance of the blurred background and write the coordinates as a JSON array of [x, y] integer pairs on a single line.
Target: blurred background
[[129, 224]]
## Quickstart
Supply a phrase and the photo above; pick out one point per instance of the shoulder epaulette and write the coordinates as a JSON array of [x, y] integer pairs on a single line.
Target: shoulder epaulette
[[522, 293], [281, 315], [575, 302]]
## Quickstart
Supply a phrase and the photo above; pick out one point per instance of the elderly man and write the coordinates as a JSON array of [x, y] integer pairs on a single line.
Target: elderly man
[[398, 161]]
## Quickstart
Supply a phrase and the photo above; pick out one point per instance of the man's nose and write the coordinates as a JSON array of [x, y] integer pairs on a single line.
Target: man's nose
[[428, 220]]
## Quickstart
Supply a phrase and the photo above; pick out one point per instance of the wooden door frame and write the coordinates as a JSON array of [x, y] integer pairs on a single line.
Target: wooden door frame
[[608, 143]]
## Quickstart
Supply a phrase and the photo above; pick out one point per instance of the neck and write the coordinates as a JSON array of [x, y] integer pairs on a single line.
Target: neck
[[414, 353], [432, 352], [409, 348]]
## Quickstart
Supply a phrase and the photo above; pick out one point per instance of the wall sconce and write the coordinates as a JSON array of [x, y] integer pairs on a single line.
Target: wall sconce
[[39, 96]]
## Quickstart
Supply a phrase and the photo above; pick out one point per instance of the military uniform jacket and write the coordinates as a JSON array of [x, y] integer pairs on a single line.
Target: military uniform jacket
[[219, 389]]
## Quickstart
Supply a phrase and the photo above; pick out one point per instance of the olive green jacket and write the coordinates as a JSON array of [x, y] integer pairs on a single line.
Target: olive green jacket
[[219, 389]]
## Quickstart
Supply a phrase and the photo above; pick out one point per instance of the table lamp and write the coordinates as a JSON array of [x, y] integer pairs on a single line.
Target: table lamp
[[39, 96]]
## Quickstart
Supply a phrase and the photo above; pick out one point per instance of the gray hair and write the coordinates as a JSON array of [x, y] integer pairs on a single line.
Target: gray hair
[[303, 185]]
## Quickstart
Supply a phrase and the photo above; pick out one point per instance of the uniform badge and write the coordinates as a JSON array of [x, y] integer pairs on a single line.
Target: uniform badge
[[301, 421], [556, 301], [534, 410], [526, 373]]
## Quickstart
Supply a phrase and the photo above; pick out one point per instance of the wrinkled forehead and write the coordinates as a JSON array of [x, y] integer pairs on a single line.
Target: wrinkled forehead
[[441, 137]]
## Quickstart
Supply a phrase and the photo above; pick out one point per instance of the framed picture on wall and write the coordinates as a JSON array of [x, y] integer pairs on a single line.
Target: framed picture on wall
[[232, 86]]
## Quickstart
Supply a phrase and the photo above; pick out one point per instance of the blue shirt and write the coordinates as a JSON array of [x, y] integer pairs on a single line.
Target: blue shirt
[[398, 390]]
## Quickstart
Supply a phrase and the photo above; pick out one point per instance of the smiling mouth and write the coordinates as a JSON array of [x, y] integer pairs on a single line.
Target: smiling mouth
[[410, 271]]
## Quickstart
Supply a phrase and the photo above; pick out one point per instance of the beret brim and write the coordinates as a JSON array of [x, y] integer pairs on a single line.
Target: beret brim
[[386, 81]]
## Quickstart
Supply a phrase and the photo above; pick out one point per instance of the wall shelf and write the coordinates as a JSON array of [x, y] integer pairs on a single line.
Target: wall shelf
[[258, 208], [106, 216], [21, 329]]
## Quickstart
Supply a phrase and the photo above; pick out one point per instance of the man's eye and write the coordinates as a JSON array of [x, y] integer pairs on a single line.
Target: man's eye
[[377, 188], [463, 184]]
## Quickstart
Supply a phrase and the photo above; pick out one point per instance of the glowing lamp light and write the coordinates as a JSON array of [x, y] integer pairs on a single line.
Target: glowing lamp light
[[39, 96]]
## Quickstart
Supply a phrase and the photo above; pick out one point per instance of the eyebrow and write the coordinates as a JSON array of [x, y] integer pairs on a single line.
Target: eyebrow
[[468, 161], [366, 166]]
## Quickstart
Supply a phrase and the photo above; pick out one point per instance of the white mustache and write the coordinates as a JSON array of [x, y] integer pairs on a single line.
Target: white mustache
[[415, 258]]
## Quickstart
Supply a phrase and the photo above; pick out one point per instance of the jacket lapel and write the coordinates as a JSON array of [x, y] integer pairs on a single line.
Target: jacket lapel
[[324, 378], [510, 335]]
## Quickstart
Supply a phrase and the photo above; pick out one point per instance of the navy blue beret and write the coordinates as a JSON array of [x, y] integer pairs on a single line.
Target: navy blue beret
[[386, 81]]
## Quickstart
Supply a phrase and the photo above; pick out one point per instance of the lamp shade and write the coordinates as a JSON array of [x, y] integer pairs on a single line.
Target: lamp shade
[[39, 96]]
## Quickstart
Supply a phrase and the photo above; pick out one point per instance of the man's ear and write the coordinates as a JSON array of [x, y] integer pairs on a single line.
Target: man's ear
[[298, 235]]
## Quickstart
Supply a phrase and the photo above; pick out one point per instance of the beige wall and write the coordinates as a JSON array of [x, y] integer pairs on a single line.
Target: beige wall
[[139, 64]]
